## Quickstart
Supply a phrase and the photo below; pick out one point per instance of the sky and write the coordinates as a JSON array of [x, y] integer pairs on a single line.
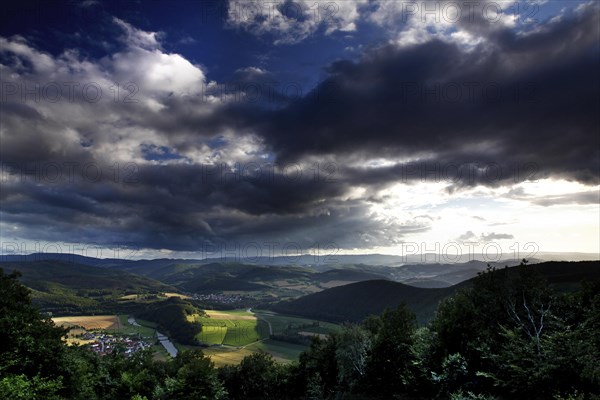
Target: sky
[[192, 128]]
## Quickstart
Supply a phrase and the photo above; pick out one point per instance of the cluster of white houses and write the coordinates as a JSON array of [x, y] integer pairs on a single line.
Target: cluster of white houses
[[104, 344], [218, 298]]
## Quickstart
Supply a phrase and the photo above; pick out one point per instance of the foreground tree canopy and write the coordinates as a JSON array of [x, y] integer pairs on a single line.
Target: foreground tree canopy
[[509, 336]]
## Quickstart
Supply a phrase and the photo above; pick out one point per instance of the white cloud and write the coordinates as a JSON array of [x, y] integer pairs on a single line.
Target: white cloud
[[114, 103], [467, 24], [137, 37], [292, 22]]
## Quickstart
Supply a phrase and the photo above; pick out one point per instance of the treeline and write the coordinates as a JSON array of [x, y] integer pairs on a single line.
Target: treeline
[[509, 336]]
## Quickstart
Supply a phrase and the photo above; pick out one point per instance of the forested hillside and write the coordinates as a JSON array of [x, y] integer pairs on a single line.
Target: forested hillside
[[356, 301], [66, 288]]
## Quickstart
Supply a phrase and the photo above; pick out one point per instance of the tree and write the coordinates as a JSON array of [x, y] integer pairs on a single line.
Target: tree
[[258, 377], [391, 365], [319, 366], [353, 347], [196, 378], [31, 347]]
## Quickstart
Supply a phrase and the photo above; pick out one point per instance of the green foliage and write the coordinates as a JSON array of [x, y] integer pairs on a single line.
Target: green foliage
[[257, 377], [391, 363], [196, 378], [517, 337], [352, 353], [172, 316], [29, 344], [20, 387], [68, 288]]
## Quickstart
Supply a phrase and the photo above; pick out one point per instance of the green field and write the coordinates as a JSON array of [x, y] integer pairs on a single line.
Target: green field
[[281, 351], [243, 333], [146, 330], [281, 323], [232, 328]]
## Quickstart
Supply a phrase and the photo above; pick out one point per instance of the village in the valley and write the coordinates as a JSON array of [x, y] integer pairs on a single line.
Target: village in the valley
[[218, 298], [103, 343]]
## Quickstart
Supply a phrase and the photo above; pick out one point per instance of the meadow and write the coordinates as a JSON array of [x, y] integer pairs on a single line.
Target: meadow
[[281, 323], [232, 328]]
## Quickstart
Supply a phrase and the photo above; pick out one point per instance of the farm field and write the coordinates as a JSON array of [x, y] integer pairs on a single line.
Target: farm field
[[281, 323], [239, 333], [170, 294], [227, 355], [281, 351], [89, 322], [232, 328]]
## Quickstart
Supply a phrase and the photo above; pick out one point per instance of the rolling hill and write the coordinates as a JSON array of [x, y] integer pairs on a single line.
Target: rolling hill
[[64, 286], [38, 274], [356, 301]]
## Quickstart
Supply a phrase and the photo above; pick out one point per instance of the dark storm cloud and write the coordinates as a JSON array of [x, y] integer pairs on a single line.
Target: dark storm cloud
[[177, 209], [514, 100]]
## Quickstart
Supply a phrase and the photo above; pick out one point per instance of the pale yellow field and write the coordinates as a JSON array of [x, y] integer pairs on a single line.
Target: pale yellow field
[[221, 356], [224, 315], [89, 322], [181, 296], [72, 340]]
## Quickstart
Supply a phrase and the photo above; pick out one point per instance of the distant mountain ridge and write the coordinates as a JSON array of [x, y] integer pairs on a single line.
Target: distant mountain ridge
[[211, 274], [305, 259]]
